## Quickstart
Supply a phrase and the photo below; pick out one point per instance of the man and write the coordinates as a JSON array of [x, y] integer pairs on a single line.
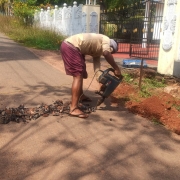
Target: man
[[73, 51]]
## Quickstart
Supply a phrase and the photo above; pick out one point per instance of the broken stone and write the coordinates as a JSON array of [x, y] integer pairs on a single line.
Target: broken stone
[[22, 113]]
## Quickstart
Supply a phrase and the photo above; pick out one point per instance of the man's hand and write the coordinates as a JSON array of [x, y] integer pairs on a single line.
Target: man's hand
[[109, 58], [101, 87], [118, 74]]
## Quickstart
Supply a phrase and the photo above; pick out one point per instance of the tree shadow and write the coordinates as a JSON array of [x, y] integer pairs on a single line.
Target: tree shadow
[[95, 148]]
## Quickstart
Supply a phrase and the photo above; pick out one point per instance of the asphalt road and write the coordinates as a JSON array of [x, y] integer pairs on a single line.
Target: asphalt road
[[112, 144]]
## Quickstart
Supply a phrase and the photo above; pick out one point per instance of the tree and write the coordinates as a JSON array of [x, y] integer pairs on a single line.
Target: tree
[[59, 2], [112, 4]]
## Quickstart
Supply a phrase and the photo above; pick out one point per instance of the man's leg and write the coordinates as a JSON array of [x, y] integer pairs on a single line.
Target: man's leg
[[83, 97], [76, 93]]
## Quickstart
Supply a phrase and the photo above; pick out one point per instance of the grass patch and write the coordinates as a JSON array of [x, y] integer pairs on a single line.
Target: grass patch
[[148, 85], [154, 83], [127, 77], [28, 35]]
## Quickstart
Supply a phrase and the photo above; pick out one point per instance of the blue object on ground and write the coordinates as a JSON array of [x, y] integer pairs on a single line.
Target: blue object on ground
[[133, 63]]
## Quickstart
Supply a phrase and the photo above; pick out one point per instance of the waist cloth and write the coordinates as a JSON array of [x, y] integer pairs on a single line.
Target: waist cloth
[[74, 61]]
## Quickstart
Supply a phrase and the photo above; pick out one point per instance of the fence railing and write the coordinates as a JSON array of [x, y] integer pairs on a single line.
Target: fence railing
[[137, 28]]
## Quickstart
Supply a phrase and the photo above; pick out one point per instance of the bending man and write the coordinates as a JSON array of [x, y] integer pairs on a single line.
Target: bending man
[[73, 51]]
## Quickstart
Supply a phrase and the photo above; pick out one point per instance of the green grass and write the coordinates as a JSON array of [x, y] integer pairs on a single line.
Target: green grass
[[148, 85], [28, 35], [127, 77], [154, 83]]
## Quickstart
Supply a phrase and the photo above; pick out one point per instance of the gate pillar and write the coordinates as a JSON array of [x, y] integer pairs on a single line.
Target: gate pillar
[[92, 13], [169, 54]]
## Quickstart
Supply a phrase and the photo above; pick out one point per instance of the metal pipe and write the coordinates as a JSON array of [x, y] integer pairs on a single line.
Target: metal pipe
[[141, 73]]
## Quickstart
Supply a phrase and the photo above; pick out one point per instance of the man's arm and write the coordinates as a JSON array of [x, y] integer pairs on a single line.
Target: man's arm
[[109, 58]]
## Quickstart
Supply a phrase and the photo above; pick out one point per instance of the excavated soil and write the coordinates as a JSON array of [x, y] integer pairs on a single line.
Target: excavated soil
[[163, 106]]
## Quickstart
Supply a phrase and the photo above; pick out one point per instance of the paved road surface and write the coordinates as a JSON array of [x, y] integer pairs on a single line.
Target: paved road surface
[[127, 147]]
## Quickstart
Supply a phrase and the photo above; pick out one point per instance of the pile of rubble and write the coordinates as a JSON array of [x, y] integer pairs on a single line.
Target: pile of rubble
[[24, 114]]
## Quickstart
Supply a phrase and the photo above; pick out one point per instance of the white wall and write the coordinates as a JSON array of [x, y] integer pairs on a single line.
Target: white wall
[[69, 20]]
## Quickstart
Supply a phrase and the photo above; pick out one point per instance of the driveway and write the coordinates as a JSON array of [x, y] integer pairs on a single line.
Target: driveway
[[112, 144]]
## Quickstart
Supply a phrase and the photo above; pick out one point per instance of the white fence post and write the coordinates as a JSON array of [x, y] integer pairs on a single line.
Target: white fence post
[[42, 18], [58, 20], [76, 19], [49, 18], [66, 18]]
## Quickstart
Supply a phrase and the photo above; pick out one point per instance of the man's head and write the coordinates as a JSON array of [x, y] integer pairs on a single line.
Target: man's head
[[113, 45]]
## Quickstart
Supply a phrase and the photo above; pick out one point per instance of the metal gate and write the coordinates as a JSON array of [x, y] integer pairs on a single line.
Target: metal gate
[[136, 28]]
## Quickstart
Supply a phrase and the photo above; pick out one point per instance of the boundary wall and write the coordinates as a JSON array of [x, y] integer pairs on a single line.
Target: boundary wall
[[69, 20]]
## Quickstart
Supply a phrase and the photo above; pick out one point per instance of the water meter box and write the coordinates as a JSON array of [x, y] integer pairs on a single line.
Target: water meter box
[[133, 63]]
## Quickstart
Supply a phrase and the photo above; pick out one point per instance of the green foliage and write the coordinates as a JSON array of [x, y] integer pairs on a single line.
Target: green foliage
[[153, 83], [59, 2], [112, 4], [148, 85], [28, 35], [109, 4], [127, 77], [25, 10], [3, 6], [145, 91]]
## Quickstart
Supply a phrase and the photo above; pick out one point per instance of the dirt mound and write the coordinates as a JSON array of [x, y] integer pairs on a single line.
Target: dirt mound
[[162, 107], [158, 109]]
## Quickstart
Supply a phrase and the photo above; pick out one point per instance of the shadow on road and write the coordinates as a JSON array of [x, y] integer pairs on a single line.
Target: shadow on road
[[125, 147], [18, 52]]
